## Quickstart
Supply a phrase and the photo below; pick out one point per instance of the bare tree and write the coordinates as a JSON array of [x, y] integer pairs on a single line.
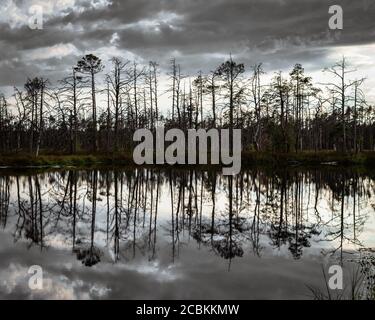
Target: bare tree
[[340, 70], [230, 72], [91, 64]]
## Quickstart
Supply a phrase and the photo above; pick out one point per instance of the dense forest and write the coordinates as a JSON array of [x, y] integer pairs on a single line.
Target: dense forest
[[93, 112]]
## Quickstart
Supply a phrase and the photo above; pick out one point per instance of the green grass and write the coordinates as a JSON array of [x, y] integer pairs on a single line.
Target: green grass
[[249, 158], [309, 158], [81, 160]]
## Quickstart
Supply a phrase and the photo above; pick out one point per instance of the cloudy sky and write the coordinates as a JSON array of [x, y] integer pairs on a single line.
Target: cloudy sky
[[200, 34]]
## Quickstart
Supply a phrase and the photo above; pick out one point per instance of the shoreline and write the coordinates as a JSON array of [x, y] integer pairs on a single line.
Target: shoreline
[[248, 159]]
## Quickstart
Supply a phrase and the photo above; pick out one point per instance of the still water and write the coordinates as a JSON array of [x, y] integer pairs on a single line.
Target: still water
[[182, 234]]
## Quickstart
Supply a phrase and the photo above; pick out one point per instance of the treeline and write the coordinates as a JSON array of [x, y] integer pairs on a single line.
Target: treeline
[[90, 111]]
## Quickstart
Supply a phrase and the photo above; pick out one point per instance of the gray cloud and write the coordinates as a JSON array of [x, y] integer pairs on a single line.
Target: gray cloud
[[199, 33]]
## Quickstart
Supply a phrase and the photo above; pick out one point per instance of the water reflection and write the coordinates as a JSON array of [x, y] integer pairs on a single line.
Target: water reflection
[[117, 215]]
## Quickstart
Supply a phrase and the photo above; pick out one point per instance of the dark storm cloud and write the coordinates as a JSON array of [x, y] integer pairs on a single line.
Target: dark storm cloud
[[198, 32], [222, 22], [125, 11]]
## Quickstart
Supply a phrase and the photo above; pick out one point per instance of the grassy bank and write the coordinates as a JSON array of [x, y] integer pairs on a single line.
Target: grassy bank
[[248, 159], [309, 158], [80, 160]]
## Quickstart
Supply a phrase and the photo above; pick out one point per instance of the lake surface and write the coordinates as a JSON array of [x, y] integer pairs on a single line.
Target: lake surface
[[182, 234]]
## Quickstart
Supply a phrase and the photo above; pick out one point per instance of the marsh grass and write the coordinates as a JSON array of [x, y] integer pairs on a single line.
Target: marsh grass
[[353, 291], [249, 158], [361, 281]]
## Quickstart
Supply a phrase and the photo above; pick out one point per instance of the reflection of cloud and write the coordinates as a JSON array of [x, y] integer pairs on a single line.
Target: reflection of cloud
[[158, 272], [11, 277], [199, 272], [57, 241], [14, 280]]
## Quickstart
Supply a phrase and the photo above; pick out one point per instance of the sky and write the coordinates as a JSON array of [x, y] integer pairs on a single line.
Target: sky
[[200, 34]]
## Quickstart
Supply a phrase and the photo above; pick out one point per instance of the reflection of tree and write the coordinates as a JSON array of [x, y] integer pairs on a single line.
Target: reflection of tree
[[339, 226], [153, 217], [300, 233], [118, 210], [255, 226], [4, 199], [142, 200], [67, 212], [177, 184], [117, 220], [91, 255], [31, 222], [224, 236], [294, 231]]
